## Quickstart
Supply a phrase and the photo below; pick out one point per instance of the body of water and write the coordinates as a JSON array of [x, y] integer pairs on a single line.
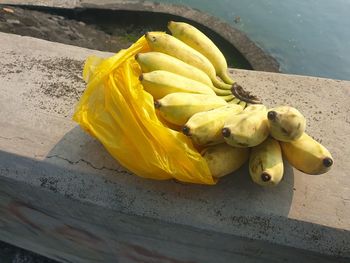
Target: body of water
[[306, 37]]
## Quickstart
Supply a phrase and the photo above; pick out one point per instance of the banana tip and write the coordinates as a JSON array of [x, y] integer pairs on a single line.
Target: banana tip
[[265, 177], [141, 77], [327, 162], [226, 132], [157, 104], [169, 23], [186, 130], [137, 56], [272, 115]]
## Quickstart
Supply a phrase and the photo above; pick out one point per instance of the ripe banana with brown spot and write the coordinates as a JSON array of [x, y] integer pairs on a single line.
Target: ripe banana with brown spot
[[164, 43], [286, 123], [200, 42], [307, 155], [160, 83], [178, 107], [223, 159], [248, 128], [266, 163], [205, 127]]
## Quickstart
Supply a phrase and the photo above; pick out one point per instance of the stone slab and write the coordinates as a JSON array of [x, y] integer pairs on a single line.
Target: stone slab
[[40, 83]]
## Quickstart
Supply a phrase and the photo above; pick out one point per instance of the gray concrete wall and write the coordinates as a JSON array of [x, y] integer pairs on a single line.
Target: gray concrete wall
[[48, 164]]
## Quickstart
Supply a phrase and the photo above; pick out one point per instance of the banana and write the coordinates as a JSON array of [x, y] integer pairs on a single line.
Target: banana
[[248, 128], [307, 155], [266, 164], [234, 101], [228, 97], [160, 83], [152, 61], [243, 104], [255, 107], [223, 159], [200, 42], [178, 107], [286, 123], [204, 128], [164, 43]]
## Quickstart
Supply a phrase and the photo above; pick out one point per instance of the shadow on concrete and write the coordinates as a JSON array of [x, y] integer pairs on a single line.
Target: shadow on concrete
[[233, 191]]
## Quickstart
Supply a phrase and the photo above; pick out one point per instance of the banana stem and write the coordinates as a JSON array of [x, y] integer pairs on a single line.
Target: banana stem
[[237, 92], [243, 95]]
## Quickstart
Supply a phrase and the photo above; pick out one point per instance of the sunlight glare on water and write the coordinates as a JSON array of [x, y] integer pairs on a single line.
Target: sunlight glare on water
[[309, 37]]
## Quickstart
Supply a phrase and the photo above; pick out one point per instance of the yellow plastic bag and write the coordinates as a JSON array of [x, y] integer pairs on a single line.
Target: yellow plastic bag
[[120, 114]]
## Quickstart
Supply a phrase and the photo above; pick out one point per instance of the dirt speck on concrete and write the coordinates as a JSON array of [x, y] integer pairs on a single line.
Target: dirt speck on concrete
[[59, 87]]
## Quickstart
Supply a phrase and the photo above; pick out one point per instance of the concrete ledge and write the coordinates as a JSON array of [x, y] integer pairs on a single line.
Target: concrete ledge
[[61, 192], [258, 59]]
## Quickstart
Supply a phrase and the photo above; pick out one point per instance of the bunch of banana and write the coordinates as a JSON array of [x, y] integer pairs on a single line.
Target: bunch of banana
[[286, 127], [192, 55], [187, 76]]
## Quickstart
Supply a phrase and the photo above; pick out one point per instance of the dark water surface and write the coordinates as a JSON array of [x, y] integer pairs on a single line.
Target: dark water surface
[[307, 37]]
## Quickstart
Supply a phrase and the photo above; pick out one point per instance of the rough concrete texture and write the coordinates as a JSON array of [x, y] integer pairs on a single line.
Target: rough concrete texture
[[258, 59], [41, 83]]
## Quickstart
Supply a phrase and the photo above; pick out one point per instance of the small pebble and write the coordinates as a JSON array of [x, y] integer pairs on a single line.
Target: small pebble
[[8, 10], [13, 21]]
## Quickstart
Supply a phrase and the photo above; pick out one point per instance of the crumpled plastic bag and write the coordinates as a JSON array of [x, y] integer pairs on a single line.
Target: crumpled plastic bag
[[120, 114]]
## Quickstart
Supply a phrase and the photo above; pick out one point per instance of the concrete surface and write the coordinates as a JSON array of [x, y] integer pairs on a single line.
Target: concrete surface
[[12, 254], [258, 59], [40, 82]]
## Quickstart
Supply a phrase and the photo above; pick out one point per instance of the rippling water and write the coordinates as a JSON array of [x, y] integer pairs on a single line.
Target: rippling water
[[307, 37]]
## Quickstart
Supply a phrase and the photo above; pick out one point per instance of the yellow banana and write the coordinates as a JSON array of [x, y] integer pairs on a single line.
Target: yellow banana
[[266, 164], [227, 97], [152, 61], [200, 42], [224, 159], [286, 123], [235, 101], [178, 107], [248, 128], [164, 43], [204, 128], [255, 107], [156, 61], [160, 83], [243, 104], [307, 155]]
